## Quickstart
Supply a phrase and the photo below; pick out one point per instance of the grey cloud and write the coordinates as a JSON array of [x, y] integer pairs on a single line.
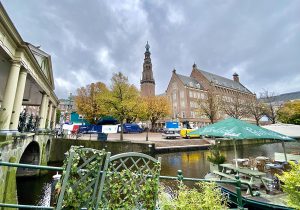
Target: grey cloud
[[259, 39]]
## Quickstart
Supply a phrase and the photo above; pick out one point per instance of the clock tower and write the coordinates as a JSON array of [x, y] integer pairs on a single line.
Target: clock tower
[[147, 81]]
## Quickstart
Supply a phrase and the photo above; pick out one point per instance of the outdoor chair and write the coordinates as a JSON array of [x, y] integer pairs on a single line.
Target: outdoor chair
[[78, 187], [286, 166], [260, 165], [251, 163], [130, 181]]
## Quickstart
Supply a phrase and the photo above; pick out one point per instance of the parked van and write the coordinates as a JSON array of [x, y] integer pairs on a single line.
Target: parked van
[[130, 128], [184, 132], [172, 125]]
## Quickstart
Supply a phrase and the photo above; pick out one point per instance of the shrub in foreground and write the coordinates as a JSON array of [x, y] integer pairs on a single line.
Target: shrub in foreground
[[291, 186], [208, 196]]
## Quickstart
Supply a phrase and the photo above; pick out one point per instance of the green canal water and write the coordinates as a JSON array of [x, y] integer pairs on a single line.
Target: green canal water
[[193, 164]]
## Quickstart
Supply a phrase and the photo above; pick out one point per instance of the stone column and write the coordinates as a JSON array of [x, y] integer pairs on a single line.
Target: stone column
[[43, 111], [54, 118], [18, 100], [9, 96], [49, 115]]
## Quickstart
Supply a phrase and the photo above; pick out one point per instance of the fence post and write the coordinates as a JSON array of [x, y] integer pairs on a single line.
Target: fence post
[[239, 192], [179, 175]]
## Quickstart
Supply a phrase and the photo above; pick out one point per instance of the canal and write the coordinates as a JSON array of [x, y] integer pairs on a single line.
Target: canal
[[193, 164]]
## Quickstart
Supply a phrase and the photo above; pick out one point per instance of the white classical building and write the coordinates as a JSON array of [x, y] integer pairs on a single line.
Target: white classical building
[[26, 79]]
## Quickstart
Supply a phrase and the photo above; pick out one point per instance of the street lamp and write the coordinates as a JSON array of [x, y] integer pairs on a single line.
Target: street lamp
[[147, 135]]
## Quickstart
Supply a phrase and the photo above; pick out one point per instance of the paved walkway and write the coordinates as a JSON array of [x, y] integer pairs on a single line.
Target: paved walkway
[[157, 139]]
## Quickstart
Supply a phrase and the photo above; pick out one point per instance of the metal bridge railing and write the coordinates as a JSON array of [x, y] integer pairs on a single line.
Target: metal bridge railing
[[179, 177]]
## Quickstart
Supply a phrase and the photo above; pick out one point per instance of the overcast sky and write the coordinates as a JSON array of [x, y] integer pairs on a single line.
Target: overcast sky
[[90, 40]]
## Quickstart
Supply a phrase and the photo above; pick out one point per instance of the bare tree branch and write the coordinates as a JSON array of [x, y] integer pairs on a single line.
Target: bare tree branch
[[234, 106], [255, 109], [210, 106], [271, 105]]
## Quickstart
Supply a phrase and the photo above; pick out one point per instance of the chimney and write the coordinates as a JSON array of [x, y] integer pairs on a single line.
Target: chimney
[[236, 77]]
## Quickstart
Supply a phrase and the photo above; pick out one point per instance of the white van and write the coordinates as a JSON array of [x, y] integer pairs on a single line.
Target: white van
[[171, 134]]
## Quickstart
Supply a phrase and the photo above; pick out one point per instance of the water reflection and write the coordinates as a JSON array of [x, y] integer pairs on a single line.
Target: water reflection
[[34, 190], [46, 195], [195, 164]]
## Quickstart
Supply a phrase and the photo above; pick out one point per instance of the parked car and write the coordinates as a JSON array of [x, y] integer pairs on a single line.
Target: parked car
[[171, 134], [160, 130]]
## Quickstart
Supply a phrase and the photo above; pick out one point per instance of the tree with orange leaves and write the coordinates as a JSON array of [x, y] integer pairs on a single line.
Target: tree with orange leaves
[[86, 101], [157, 107]]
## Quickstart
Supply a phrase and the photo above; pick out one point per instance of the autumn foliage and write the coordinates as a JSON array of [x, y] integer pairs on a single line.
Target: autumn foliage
[[156, 107], [86, 101], [290, 113], [121, 100]]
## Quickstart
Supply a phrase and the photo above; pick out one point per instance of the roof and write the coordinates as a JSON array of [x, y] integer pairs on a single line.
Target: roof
[[287, 96], [222, 81], [37, 49], [190, 82]]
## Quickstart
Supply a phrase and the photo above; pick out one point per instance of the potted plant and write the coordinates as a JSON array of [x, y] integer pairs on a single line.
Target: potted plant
[[215, 158]]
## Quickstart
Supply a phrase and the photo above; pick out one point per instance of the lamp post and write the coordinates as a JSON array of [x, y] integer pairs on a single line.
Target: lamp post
[[147, 135], [81, 117], [69, 107]]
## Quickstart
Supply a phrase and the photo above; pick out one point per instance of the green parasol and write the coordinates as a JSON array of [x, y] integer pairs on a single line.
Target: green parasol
[[235, 129]]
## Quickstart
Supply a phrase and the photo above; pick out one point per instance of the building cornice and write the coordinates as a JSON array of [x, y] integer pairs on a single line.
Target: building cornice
[[232, 89], [23, 53], [9, 26]]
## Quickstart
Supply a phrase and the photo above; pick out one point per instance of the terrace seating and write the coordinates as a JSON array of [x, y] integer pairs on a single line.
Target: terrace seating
[[260, 163], [252, 163], [242, 162], [260, 166]]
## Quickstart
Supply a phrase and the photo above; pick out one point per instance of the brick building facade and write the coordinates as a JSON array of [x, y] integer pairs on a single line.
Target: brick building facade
[[186, 92]]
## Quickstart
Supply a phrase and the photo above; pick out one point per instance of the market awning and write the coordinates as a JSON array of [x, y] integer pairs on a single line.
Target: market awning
[[237, 129], [234, 129]]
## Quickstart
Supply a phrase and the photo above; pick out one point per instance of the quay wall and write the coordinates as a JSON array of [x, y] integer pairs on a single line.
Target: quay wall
[[60, 146], [229, 143]]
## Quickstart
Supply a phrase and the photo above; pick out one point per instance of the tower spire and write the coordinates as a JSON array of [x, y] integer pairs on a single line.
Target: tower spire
[[147, 47], [147, 81]]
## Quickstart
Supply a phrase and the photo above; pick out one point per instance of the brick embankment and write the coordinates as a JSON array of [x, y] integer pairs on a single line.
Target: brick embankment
[[176, 145]]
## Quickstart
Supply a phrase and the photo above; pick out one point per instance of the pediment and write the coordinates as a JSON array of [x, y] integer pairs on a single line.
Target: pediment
[[44, 61]]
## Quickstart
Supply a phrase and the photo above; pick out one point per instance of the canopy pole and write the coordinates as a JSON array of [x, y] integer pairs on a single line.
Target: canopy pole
[[235, 153], [283, 146]]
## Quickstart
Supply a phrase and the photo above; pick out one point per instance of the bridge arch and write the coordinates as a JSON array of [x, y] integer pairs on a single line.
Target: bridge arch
[[48, 150], [31, 155]]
